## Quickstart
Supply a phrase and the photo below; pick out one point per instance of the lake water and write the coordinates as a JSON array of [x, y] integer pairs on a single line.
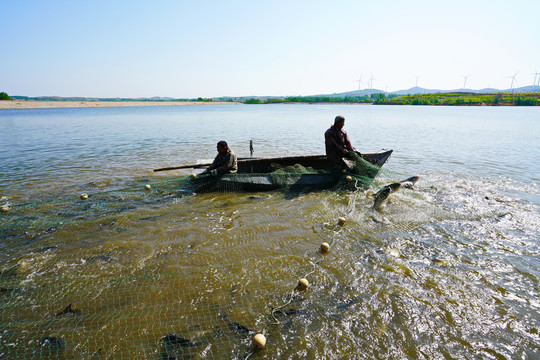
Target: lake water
[[448, 269]]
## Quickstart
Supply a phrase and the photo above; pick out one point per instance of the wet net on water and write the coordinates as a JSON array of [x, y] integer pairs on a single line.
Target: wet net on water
[[165, 272]]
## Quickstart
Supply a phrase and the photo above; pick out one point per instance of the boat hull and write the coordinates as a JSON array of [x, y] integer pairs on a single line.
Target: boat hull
[[266, 182], [259, 174]]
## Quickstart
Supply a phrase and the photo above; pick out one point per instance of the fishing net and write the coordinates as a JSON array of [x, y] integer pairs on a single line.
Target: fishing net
[[150, 269], [362, 169], [355, 172]]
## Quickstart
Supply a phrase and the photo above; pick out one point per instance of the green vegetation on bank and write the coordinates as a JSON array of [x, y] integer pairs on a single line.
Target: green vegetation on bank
[[455, 98], [154, 99], [5, 96], [312, 100], [519, 99]]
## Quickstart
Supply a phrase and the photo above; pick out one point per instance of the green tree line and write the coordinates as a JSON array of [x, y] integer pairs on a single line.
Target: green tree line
[[5, 96], [312, 100], [521, 99]]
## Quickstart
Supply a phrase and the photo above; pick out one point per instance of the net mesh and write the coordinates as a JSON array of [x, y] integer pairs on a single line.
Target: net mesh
[[362, 168], [130, 272]]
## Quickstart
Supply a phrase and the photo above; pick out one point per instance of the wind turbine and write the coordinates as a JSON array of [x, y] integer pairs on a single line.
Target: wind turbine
[[359, 81], [535, 75], [417, 77], [465, 82], [371, 81], [512, 83]]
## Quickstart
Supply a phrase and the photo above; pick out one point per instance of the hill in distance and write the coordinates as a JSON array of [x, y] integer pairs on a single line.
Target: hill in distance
[[418, 90], [364, 92]]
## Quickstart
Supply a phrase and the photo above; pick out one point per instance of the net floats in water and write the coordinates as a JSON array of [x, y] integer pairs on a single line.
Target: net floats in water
[[4, 208], [349, 178], [341, 220], [147, 186], [303, 284], [393, 252], [259, 341], [83, 196], [324, 247], [193, 175]]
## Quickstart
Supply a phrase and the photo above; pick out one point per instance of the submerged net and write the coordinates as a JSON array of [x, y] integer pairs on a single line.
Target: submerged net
[[51, 211], [133, 272]]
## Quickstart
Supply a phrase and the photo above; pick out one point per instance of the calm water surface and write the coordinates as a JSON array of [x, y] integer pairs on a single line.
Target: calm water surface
[[447, 270]]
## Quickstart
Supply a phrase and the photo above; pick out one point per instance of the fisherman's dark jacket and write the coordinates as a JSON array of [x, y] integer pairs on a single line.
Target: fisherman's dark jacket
[[224, 163], [335, 141]]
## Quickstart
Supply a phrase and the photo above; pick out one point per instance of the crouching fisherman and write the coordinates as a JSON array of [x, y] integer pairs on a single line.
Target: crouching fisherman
[[225, 161]]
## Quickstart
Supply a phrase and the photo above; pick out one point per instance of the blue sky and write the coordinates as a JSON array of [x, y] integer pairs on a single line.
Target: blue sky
[[187, 49]]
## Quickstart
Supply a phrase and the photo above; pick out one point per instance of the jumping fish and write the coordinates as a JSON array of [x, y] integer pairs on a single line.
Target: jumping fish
[[408, 183], [394, 186], [382, 195]]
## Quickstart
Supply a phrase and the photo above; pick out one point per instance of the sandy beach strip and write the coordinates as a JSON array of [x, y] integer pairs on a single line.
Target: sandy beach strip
[[38, 104]]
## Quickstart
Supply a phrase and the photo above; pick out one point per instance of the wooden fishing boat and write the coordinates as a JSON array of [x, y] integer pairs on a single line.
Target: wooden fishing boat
[[295, 173]]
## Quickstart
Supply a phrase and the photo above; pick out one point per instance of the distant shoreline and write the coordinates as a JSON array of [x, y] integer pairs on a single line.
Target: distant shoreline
[[40, 104]]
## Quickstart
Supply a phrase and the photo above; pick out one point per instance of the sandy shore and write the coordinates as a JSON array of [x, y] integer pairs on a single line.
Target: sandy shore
[[36, 104]]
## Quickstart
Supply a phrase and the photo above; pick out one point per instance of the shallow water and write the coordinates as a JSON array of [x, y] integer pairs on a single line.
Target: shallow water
[[448, 269]]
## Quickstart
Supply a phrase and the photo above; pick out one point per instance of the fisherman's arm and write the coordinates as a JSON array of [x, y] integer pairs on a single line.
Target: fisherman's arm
[[212, 166], [347, 141], [229, 164]]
